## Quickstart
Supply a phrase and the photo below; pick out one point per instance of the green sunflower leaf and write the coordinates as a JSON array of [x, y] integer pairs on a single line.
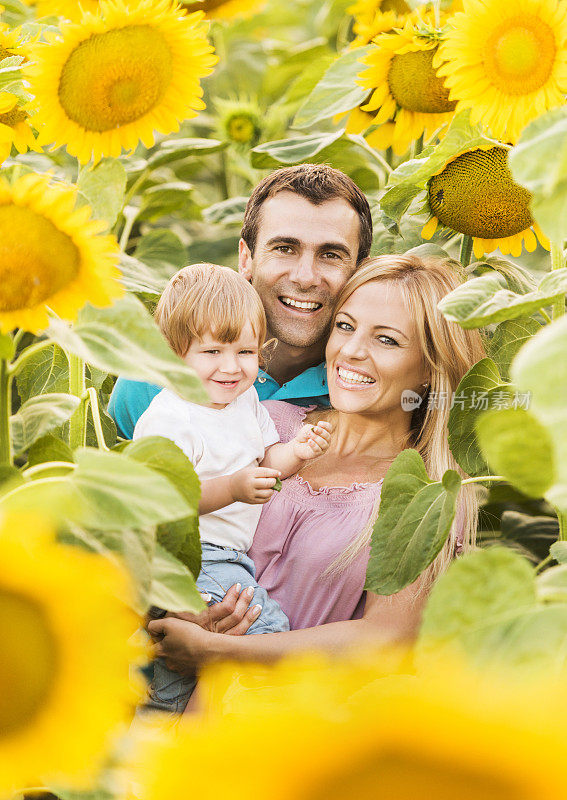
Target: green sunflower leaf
[[176, 149], [519, 448], [479, 390], [540, 368], [124, 340], [180, 537], [539, 163], [485, 610], [413, 523], [485, 300], [103, 187], [551, 585], [507, 340], [336, 92], [40, 415], [173, 586], [46, 370]]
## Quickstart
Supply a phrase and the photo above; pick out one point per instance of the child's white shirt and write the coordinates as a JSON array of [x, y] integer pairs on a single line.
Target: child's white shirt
[[217, 441]]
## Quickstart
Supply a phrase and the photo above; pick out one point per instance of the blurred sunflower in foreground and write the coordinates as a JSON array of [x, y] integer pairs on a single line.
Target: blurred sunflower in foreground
[[226, 9], [406, 89], [475, 194], [65, 654], [506, 61], [52, 256], [15, 127], [69, 9], [117, 77], [343, 732]]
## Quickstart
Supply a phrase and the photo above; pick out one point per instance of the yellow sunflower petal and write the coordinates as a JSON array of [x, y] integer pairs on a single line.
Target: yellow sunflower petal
[[429, 228]]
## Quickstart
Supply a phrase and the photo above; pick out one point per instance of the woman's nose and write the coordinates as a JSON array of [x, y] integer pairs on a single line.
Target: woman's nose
[[355, 347]]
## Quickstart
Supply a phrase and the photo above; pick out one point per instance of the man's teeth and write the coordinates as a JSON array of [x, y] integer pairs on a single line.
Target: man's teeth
[[354, 377], [297, 304]]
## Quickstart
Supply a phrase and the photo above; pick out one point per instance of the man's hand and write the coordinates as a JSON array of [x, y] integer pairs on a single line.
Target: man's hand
[[253, 484], [312, 440]]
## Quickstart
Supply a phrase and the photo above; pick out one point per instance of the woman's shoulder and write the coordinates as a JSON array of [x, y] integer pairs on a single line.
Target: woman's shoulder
[[287, 417]]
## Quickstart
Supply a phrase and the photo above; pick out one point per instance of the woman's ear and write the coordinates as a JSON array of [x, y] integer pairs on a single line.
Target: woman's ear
[[244, 260]]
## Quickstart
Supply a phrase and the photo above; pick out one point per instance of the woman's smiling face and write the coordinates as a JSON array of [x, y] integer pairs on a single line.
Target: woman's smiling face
[[373, 353]]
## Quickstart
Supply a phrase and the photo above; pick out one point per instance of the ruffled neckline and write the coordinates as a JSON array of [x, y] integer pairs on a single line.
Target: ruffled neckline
[[354, 487]]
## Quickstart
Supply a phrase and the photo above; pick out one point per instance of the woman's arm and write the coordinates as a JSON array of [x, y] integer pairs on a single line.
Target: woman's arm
[[386, 620]]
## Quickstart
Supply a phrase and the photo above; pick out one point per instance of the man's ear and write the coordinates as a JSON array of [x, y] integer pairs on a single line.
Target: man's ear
[[244, 260]]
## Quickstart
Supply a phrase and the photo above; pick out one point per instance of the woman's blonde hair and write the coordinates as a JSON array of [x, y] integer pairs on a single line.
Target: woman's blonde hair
[[449, 351], [207, 298]]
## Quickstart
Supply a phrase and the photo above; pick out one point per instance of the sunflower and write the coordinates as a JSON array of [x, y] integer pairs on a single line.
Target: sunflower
[[65, 654], [372, 17], [52, 257], [15, 128], [405, 87], [226, 9], [475, 194], [240, 121], [117, 77], [507, 61], [397, 737]]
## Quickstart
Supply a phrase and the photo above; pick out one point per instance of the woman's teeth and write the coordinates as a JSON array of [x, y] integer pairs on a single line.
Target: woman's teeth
[[287, 301], [353, 377]]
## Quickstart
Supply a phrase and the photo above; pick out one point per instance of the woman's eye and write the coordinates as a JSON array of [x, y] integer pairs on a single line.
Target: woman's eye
[[343, 326], [388, 339]]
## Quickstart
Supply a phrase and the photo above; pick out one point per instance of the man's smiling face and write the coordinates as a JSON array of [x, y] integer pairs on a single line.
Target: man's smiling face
[[303, 257]]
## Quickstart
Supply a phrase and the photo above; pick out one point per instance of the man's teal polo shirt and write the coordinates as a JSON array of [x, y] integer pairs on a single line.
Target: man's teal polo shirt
[[130, 399]]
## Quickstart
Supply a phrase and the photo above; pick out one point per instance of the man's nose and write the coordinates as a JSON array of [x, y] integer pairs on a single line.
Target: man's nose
[[304, 272]]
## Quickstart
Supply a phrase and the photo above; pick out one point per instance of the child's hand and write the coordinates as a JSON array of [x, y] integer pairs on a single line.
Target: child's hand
[[253, 484], [312, 440]]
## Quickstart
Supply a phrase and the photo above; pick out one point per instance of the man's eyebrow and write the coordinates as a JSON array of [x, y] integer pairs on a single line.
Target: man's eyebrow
[[376, 327], [292, 240]]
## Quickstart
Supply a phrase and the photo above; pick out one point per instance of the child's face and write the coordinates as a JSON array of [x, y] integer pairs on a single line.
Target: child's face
[[227, 369]]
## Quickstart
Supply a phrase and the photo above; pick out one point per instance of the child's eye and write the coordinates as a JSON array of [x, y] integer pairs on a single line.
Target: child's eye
[[247, 352], [212, 352]]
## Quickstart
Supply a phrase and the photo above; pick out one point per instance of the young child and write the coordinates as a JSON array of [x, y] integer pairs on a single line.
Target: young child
[[214, 320]]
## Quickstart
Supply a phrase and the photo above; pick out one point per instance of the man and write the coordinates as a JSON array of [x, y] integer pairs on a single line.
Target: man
[[305, 230]]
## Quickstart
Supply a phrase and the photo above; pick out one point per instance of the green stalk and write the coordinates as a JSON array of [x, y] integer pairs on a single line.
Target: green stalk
[[557, 262], [483, 479], [92, 400], [466, 250], [77, 386], [6, 458], [562, 517]]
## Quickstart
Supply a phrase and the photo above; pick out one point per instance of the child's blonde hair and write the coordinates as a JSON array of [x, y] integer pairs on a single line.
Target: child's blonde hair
[[207, 298]]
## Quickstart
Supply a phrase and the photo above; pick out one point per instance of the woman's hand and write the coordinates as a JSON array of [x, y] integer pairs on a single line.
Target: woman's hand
[[231, 615]]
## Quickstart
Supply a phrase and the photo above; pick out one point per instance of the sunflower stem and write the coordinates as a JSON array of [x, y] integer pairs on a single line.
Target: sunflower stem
[[545, 315], [483, 479], [77, 387], [5, 412], [557, 262], [223, 175], [92, 401], [466, 250], [562, 518]]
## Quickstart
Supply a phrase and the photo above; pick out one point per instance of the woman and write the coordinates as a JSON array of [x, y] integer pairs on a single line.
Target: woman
[[311, 547]]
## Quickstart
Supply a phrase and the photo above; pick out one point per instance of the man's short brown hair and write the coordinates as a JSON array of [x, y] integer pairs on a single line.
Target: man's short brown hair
[[317, 183]]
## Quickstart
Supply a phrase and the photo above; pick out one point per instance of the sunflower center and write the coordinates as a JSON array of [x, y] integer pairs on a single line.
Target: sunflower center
[[36, 258], [399, 6], [520, 54], [115, 78], [396, 775], [12, 117], [28, 661], [414, 83], [475, 194]]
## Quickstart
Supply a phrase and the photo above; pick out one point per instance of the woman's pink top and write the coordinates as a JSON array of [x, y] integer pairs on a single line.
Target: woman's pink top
[[301, 532]]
